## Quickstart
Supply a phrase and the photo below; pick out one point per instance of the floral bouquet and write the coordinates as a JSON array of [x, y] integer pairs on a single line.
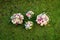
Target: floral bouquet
[[29, 14], [17, 18], [42, 19], [28, 25]]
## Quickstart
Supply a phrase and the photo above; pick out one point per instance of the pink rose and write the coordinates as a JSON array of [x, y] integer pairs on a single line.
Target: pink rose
[[28, 15]]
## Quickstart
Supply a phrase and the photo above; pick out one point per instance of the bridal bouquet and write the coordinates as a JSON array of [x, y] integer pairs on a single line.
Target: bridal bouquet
[[17, 18], [28, 25], [42, 19], [29, 14]]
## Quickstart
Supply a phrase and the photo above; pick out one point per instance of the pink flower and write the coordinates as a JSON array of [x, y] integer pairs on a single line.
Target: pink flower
[[42, 19], [17, 18], [28, 15]]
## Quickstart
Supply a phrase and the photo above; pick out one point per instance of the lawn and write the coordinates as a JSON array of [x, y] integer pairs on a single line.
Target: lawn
[[9, 31]]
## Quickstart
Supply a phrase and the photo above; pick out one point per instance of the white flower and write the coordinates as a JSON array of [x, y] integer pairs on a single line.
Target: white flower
[[42, 19], [28, 25], [17, 18], [29, 14]]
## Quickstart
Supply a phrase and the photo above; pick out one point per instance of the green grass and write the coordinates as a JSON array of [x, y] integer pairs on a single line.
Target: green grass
[[8, 31]]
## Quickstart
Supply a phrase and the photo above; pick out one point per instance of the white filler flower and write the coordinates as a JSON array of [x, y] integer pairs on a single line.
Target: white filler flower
[[28, 25]]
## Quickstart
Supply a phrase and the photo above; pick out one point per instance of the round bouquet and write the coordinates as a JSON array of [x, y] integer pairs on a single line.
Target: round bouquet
[[28, 25], [42, 19], [17, 18], [29, 14]]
